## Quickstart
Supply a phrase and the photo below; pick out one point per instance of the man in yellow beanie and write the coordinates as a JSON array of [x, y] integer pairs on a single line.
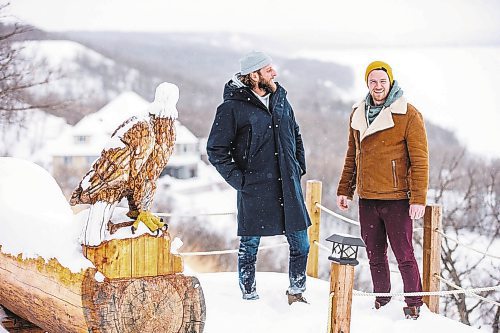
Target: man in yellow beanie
[[387, 162]]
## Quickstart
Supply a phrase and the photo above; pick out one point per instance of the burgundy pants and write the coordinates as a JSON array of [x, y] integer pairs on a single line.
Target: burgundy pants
[[382, 219]]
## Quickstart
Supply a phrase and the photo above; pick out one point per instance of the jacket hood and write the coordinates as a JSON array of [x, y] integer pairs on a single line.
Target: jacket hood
[[234, 89]]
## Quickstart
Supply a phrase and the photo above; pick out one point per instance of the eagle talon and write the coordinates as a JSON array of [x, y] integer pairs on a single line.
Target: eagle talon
[[153, 223]]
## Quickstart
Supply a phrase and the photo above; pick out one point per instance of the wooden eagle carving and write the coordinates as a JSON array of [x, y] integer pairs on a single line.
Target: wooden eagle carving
[[129, 166]]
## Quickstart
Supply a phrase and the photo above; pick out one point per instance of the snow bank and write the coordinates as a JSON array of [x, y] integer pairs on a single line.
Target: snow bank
[[36, 218], [228, 313]]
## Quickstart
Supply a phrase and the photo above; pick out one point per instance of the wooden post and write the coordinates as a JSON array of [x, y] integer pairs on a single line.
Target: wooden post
[[432, 255], [313, 196], [341, 285]]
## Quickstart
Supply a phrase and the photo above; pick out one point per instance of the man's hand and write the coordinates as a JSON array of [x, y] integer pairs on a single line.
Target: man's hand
[[342, 202], [417, 211]]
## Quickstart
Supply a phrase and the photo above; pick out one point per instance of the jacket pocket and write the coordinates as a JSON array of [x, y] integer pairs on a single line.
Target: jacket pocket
[[394, 174], [246, 153], [240, 150]]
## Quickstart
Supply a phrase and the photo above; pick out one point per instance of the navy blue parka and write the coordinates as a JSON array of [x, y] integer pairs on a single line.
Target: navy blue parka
[[259, 152]]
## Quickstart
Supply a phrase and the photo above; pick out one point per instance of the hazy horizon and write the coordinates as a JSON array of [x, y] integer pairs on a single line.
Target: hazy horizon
[[361, 22], [463, 79]]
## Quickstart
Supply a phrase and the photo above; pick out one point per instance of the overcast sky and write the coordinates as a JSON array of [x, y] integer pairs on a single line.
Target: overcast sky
[[364, 27], [389, 21]]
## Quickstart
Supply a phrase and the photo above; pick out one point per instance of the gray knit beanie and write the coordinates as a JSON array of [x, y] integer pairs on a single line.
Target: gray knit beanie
[[254, 61]]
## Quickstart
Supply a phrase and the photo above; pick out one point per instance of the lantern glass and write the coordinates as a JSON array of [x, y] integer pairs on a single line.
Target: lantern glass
[[345, 249], [336, 251]]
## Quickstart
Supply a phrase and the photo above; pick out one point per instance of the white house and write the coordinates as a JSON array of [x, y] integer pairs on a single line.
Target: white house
[[77, 147]]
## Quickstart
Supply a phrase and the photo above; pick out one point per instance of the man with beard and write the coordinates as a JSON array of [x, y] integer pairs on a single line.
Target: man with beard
[[387, 162], [255, 144]]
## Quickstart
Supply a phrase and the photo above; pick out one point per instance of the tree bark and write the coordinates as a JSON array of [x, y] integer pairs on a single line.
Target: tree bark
[[58, 300]]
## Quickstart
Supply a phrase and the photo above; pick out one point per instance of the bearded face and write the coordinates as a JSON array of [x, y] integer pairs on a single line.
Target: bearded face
[[266, 83]]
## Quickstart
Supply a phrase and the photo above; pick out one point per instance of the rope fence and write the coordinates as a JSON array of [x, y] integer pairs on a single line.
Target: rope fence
[[432, 235], [459, 290], [430, 293], [451, 284], [210, 253], [193, 215], [467, 246], [350, 221], [341, 217]]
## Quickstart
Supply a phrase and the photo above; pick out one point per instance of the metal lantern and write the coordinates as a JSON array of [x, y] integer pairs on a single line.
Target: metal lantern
[[345, 249]]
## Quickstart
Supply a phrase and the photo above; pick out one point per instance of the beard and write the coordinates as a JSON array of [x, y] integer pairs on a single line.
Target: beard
[[268, 86], [379, 98]]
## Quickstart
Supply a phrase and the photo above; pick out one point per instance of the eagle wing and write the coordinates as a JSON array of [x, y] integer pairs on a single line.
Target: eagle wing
[[122, 158]]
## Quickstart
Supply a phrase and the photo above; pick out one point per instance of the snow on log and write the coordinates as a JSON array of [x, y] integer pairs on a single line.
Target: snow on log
[[128, 283], [142, 290]]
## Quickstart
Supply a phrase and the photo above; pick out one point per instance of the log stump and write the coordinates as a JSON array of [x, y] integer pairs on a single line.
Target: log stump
[[142, 290]]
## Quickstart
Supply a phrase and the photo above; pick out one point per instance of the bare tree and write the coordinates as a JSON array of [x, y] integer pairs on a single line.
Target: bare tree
[[17, 75], [468, 190]]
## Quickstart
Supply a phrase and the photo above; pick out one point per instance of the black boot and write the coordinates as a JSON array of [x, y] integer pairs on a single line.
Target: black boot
[[292, 298], [412, 312]]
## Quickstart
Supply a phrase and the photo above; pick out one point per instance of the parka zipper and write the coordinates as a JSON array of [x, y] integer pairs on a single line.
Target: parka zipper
[[394, 174], [247, 148], [358, 166]]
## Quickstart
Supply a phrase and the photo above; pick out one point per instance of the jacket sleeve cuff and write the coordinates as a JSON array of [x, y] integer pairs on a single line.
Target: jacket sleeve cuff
[[347, 194], [418, 200], [236, 179]]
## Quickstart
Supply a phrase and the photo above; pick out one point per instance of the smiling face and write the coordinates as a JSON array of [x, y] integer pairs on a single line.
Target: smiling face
[[379, 86], [264, 79]]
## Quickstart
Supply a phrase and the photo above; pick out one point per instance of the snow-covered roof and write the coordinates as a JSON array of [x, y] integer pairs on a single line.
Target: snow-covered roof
[[30, 140], [180, 160], [184, 135], [107, 119], [98, 127]]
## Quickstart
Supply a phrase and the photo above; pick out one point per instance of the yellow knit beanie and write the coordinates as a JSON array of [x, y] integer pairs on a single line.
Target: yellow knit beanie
[[379, 65]]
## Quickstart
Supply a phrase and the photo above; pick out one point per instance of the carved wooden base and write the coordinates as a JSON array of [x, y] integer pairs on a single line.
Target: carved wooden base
[[15, 324], [168, 303], [145, 295]]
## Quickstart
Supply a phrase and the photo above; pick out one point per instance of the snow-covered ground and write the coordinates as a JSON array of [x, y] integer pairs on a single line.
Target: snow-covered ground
[[228, 313], [50, 230], [454, 87]]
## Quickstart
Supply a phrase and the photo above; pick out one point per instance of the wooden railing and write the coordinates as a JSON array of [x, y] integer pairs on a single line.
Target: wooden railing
[[342, 276]]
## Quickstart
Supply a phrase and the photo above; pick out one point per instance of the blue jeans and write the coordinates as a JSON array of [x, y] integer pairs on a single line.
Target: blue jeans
[[247, 257]]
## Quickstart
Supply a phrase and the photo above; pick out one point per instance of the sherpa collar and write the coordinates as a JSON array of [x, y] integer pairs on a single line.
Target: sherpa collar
[[383, 120]]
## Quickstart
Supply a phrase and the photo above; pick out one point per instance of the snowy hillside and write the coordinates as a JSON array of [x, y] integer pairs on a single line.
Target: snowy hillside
[[76, 64], [80, 75], [454, 87]]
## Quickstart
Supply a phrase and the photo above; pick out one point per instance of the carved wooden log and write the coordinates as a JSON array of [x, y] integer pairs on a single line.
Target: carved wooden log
[[15, 324], [141, 291]]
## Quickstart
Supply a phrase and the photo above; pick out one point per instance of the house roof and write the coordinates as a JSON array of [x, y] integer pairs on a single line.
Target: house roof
[[98, 127], [107, 119]]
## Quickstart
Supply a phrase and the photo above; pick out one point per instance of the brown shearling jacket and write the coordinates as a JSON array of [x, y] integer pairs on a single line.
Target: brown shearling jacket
[[388, 160]]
